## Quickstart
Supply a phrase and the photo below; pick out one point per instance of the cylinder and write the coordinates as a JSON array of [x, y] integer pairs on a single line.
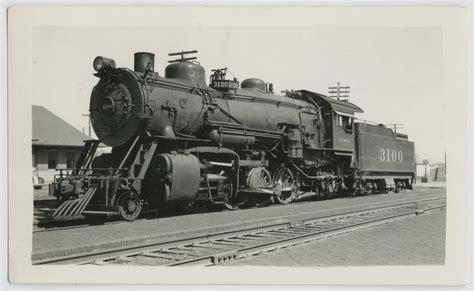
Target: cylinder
[[179, 176], [144, 61]]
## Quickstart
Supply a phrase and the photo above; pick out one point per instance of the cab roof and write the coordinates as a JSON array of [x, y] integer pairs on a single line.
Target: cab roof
[[336, 105]]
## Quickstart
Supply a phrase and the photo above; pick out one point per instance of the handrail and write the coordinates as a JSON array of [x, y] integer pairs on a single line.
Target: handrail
[[124, 160], [359, 120], [86, 172]]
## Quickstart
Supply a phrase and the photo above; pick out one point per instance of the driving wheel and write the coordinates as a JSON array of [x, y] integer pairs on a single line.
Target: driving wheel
[[286, 186], [259, 179]]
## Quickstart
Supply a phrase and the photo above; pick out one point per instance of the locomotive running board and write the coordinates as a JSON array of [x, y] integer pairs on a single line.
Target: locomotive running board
[[74, 209]]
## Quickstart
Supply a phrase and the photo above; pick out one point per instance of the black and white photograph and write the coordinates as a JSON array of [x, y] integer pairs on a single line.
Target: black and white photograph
[[239, 138]]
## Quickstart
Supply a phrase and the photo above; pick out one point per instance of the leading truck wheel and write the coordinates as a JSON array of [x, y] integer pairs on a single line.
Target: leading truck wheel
[[233, 200], [129, 206]]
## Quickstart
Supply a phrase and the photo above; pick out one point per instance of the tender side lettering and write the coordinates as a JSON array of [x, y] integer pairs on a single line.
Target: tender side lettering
[[389, 155]]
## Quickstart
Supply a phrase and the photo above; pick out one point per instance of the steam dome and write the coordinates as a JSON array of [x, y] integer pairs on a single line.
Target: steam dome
[[188, 72], [254, 83]]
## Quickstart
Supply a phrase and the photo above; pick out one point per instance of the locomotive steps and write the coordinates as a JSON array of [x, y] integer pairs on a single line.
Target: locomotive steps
[[49, 246]]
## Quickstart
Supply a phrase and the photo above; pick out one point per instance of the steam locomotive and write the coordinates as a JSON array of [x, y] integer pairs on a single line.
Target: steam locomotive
[[179, 142]]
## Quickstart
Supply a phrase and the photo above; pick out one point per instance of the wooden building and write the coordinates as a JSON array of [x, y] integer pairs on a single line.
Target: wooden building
[[55, 143]]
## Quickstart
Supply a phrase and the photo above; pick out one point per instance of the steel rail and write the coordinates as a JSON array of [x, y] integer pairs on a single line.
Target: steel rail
[[324, 234], [293, 240], [87, 257]]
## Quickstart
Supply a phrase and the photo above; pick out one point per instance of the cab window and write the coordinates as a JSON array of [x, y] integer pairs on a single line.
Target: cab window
[[350, 120], [344, 121]]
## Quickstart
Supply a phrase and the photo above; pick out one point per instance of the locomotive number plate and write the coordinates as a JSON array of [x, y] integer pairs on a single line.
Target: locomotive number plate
[[225, 84]]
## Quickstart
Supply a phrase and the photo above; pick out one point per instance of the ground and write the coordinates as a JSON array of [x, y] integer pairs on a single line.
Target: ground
[[406, 241], [415, 241]]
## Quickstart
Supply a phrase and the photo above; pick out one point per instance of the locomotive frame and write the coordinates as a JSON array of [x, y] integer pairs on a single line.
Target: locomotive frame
[[180, 143]]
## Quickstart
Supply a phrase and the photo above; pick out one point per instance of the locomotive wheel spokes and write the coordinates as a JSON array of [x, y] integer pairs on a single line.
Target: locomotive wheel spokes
[[259, 179], [286, 186], [129, 205], [234, 200]]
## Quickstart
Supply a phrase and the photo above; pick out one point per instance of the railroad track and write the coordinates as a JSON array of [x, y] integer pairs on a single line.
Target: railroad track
[[218, 248]]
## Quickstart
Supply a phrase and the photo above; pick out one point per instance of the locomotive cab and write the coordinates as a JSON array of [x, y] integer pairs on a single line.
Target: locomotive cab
[[338, 119], [343, 127]]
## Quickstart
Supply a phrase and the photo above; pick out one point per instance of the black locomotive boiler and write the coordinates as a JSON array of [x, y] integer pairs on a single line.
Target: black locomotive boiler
[[179, 141]]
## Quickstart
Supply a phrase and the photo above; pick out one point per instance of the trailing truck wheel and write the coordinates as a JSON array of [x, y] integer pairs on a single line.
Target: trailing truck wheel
[[129, 206], [286, 187]]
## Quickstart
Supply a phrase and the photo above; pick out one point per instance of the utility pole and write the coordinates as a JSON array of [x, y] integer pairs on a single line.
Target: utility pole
[[424, 179], [395, 126], [339, 92], [90, 124], [445, 164]]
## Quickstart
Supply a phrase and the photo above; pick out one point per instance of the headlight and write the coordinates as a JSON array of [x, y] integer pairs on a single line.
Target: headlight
[[101, 63]]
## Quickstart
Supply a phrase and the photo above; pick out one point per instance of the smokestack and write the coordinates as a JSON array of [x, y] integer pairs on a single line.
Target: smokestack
[[144, 61]]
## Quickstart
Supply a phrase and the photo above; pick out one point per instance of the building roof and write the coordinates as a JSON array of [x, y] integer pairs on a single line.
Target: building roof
[[50, 129]]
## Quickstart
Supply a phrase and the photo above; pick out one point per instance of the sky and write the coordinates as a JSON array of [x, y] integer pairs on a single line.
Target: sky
[[395, 74]]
